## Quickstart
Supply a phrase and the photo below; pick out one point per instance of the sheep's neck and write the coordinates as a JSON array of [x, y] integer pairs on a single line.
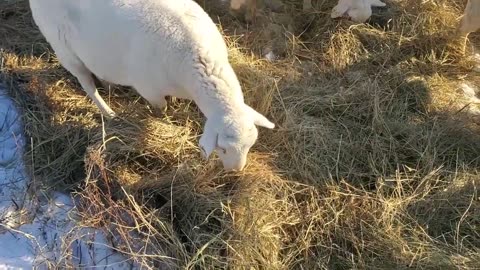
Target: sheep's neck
[[215, 101], [212, 106]]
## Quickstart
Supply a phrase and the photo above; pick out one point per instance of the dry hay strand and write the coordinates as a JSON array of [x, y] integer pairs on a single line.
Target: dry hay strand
[[372, 164]]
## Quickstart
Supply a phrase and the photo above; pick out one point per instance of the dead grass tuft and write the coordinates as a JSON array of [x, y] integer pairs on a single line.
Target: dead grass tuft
[[373, 164]]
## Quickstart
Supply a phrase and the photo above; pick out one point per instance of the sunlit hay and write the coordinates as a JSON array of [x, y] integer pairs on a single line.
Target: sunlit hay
[[343, 50]]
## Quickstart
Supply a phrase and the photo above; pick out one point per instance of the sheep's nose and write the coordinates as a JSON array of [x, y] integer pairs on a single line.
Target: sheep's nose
[[236, 168], [240, 168]]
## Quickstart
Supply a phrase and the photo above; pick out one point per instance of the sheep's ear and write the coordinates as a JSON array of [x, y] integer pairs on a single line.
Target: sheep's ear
[[208, 141], [259, 119]]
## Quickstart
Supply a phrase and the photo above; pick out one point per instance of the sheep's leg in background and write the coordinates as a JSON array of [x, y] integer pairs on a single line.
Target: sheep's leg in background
[[246, 8], [470, 21], [358, 10], [237, 4], [251, 11], [307, 5]]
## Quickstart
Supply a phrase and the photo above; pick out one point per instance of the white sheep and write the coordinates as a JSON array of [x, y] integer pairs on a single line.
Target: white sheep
[[358, 10], [160, 48]]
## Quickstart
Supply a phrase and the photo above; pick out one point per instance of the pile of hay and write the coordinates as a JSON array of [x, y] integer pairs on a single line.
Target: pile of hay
[[373, 163]]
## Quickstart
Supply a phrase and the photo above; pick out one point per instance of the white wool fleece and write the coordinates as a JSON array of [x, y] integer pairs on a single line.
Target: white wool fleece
[[358, 10], [160, 48]]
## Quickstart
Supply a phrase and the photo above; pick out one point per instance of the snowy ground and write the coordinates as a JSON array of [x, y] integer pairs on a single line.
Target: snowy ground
[[40, 233]]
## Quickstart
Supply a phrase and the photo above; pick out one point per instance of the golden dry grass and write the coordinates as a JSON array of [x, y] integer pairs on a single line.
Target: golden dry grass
[[373, 163]]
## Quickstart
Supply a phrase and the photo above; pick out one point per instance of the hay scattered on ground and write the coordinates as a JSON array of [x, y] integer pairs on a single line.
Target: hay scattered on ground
[[373, 164]]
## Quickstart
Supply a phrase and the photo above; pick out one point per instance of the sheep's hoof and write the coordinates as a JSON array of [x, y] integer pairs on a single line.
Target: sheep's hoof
[[109, 115]]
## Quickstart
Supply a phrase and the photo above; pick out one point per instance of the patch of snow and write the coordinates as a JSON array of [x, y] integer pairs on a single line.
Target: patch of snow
[[13, 178], [470, 94], [51, 239], [270, 56]]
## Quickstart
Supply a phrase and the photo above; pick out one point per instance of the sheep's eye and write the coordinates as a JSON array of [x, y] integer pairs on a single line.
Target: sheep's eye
[[223, 150]]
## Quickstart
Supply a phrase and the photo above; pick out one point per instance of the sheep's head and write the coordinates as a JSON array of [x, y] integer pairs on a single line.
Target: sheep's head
[[232, 136]]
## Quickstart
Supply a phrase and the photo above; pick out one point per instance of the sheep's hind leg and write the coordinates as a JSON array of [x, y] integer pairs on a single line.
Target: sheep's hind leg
[[86, 79], [159, 106]]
